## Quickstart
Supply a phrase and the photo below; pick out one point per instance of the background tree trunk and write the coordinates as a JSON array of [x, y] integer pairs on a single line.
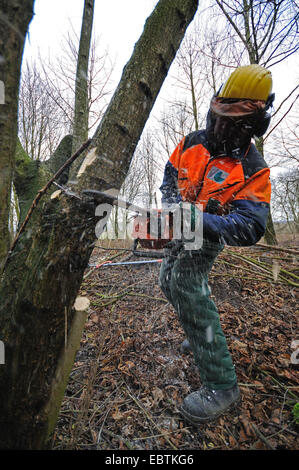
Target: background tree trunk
[[270, 235], [14, 21], [80, 125], [43, 275]]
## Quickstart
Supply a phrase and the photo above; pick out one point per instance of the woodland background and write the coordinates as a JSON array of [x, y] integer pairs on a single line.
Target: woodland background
[[72, 333]]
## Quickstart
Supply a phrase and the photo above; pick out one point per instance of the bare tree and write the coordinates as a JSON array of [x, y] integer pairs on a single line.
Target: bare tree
[[285, 188], [200, 67], [267, 31], [147, 157], [174, 122], [282, 147], [60, 75], [40, 119], [191, 75]]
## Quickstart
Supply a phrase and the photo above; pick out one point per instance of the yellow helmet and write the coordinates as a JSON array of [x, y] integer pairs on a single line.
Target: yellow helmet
[[251, 82]]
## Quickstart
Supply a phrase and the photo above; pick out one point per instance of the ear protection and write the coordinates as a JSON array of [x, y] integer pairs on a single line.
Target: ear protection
[[263, 121]]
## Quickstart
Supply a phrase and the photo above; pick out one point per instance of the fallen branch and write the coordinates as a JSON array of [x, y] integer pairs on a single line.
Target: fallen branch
[[279, 384], [120, 438], [265, 268], [278, 248], [160, 435], [148, 296], [261, 437]]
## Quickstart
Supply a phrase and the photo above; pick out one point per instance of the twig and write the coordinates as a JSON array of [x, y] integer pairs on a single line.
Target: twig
[[243, 269], [116, 436], [126, 289], [159, 435], [263, 267], [282, 429], [88, 390], [152, 421], [113, 301], [261, 437], [280, 384], [147, 296], [101, 429], [42, 191], [278, 248], [250, 385]]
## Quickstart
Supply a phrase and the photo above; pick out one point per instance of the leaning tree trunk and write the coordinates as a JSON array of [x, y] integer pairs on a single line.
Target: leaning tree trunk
[[44, 272], [14, 20]]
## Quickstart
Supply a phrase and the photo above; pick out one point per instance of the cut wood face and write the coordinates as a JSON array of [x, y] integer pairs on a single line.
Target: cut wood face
[[81, 304]]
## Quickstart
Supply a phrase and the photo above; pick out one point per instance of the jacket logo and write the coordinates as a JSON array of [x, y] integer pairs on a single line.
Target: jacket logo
[[217, 175]]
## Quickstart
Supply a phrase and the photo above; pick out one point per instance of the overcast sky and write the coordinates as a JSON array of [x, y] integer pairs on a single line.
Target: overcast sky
[[118, 23]]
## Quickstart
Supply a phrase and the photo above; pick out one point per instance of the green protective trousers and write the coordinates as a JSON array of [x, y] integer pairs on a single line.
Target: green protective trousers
[[184, 281]]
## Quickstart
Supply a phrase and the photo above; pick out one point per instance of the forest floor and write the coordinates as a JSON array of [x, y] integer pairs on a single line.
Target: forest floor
[[129, 376]]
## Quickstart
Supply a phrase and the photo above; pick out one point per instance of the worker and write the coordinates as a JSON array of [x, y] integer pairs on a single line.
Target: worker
[[225, 179]]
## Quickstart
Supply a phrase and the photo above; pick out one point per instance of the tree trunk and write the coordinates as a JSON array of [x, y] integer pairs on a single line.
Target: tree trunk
[[270, 235], [80, 125], [43, 274], [14, 20], [194, 104]]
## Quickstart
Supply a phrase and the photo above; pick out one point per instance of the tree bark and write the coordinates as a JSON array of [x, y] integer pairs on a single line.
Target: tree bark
[[44, 272], [14, 21], [270, 235]]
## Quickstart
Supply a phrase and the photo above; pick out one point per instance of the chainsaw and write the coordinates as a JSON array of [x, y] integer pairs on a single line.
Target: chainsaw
[[152, 239]]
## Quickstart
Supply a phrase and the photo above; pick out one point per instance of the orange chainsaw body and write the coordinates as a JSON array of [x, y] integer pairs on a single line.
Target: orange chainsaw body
[[142, 230]]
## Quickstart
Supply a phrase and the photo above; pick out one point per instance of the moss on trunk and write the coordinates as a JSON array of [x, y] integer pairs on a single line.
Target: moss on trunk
[[14, 21], [31, 175]]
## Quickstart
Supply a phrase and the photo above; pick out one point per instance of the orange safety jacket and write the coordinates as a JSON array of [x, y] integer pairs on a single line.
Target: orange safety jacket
[[234, 193]]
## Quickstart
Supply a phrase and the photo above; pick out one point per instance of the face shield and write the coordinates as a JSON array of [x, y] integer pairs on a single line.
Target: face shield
[[231, 124]]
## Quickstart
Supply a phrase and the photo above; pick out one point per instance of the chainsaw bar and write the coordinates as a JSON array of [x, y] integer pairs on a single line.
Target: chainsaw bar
[[101, 197]]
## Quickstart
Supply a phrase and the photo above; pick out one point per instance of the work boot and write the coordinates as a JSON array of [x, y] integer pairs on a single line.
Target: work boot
[[185, 347], [206, 404]]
